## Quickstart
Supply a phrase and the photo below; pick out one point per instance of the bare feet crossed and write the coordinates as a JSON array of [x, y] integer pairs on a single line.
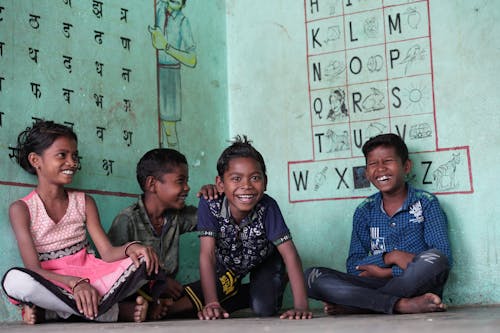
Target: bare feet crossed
[[425, 303], [420, 304]]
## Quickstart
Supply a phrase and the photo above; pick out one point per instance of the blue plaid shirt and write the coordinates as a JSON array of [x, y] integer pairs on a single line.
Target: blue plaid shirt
[[419, 225]]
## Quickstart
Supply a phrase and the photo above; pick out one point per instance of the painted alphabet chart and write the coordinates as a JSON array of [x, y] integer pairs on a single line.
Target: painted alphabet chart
[[370, 72], [88, 64]]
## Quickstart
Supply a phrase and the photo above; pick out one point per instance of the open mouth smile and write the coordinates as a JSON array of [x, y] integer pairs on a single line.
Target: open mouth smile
[[245, 197], [383, 179]]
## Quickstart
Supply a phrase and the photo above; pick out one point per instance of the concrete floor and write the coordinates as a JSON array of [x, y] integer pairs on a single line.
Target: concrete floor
[[456, 320]]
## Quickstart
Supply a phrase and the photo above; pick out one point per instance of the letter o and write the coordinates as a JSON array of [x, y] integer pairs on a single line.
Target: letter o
[[358, 63]]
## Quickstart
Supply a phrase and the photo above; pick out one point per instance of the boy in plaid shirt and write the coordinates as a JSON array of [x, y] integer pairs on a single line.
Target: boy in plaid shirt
[[400, 256]]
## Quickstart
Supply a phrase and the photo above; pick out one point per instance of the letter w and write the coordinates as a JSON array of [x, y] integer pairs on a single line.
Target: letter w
[[301, 181]]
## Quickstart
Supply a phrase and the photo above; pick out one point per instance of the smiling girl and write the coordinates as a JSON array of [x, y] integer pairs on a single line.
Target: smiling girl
[[61, 277]]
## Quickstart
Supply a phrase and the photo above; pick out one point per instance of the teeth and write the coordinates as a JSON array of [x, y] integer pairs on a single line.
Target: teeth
[[382, 178], [246, 196], [68, 172]]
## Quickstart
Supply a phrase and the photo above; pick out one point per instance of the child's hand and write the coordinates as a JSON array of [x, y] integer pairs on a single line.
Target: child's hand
[[297, 314], [209, 192], [374, 271], [400, 258], [136, 251], [87, 298], [213, 310]]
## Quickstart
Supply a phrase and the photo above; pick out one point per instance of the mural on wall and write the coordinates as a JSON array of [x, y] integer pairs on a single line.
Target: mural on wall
[[370, 72], [83, 67], [173, 39]]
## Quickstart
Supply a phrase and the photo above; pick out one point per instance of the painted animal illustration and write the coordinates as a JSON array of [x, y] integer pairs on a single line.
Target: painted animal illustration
[[444, 175], [338, 142]]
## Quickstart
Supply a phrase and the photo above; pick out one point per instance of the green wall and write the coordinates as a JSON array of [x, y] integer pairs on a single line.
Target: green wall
[[251, 78], [109, 153], [278, 110]]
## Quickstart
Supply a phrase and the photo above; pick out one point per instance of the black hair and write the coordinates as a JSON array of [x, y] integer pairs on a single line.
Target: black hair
[[240, 147], [38, 138], [156, 163], [387, 140]]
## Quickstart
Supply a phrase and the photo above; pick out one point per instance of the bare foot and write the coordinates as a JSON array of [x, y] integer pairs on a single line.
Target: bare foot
[[140, 309], [159, 309], [420, 304], [32, 315], [336, 309], [134, 311]]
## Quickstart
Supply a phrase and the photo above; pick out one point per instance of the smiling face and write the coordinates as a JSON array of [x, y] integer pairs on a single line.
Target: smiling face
[[172, 188], [386, 171], [243, 184], [58, 163]]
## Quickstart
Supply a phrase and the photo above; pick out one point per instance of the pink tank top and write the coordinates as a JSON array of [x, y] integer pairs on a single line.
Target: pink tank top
[[50, 236]]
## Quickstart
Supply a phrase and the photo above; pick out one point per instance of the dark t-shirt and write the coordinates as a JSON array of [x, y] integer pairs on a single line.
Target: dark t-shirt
[[241, 247]]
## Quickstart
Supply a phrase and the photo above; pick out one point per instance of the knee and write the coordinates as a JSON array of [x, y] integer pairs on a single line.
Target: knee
[[266, 302], [18, 285], [311, 275], [434, 260], [435, 257], [308, 272], [264, 309]]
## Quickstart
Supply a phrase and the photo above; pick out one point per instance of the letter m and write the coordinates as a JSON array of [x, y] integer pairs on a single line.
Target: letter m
[[395, 25]]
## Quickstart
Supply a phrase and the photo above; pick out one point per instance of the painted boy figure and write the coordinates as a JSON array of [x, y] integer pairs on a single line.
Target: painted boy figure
[[400, 256]]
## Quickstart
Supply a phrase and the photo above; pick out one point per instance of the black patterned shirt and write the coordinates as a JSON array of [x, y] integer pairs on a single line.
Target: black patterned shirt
[[241, 247]]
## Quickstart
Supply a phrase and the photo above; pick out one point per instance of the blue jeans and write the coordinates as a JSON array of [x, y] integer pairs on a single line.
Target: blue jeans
[[427, 272]]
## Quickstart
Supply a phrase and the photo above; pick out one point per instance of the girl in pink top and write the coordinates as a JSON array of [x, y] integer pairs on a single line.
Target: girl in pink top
[[61, 277]]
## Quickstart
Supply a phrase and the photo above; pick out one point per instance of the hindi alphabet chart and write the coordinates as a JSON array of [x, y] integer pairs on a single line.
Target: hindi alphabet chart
[[370, 72], [85, 63]]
